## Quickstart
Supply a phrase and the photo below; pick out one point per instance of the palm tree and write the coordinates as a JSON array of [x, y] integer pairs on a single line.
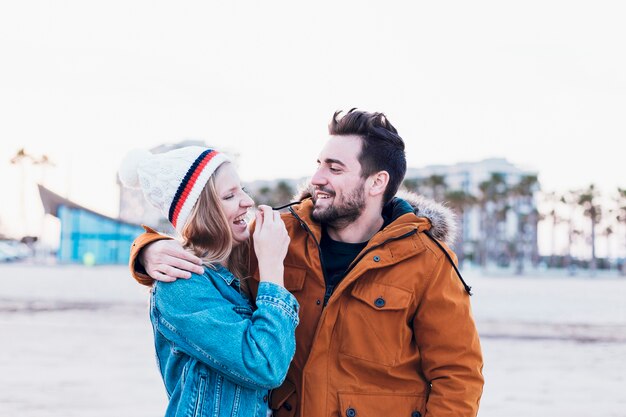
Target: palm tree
[[21, 158], [44, 162], [483, 203], [437, 186], [554, 200], [569, 199], [493, 209], [586, 199], [280, 194], [522, 194], [621, 215], [607, 232], [415, 185], [262, 195], [459, 201]]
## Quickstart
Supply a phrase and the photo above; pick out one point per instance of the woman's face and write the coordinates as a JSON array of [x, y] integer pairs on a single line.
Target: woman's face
[[235, 201]]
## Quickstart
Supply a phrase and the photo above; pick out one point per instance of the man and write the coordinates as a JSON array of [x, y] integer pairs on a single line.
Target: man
[[386, 327]]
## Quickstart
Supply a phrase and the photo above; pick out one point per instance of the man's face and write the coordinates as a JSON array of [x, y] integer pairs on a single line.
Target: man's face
[[338, 189]]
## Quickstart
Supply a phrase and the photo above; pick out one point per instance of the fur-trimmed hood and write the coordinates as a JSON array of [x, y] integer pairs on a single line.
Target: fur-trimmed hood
[[442, 219]]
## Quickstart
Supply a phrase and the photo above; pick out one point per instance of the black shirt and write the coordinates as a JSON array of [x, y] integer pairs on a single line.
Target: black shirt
[[336, 257]]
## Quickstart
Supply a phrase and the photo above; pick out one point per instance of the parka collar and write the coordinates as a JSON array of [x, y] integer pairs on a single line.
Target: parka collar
[[405, 209]]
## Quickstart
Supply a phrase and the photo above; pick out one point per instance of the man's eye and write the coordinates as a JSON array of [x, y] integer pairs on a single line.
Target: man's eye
[[334, 169]]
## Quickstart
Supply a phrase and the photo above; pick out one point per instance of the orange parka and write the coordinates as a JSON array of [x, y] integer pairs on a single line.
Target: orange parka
[[395, 338]]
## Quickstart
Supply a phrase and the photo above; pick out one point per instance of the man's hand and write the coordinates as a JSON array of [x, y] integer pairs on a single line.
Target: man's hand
[[166, 260]]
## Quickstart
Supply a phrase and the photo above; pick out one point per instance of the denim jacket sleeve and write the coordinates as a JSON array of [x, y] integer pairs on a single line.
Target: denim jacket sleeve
[[254, 352]]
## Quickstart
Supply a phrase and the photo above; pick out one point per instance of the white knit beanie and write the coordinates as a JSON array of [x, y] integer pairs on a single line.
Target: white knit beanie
[[171, 181]]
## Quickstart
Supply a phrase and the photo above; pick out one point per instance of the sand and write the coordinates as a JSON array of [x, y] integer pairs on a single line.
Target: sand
[[76, 341]]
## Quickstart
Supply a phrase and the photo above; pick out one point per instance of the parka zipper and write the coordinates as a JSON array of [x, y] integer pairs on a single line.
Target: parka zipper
[[319, 250], [329, 291]]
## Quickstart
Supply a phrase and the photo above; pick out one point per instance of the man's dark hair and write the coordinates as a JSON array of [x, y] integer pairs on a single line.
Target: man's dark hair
[[382, 150]]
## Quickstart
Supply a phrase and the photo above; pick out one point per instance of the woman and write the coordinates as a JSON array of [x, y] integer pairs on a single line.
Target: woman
[[217, 356]]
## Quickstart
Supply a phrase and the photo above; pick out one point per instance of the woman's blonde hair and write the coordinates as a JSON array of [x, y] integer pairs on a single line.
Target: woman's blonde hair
[[207, 234]]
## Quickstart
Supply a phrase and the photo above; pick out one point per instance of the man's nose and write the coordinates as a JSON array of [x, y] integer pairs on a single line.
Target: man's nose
[[318, 178]]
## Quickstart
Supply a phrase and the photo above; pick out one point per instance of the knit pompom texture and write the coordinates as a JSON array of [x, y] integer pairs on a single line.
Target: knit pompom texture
[[128, 172]]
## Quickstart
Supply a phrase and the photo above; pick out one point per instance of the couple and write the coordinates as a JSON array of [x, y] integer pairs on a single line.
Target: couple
[[385, 324]]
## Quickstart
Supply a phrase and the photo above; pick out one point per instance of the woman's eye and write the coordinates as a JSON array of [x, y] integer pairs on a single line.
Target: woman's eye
[[228, 197]]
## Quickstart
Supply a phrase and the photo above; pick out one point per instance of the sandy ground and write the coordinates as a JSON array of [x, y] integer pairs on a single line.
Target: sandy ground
[[77, 341]]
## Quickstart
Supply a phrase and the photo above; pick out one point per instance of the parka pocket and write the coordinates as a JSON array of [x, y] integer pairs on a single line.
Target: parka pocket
[[372, 324], [353, 404], [283, 400]]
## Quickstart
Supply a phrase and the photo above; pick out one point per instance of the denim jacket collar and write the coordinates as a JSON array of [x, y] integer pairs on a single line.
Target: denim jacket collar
[[223, 273]]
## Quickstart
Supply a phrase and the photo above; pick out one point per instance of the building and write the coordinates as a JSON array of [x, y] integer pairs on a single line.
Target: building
[[468, 176], [88, 236]]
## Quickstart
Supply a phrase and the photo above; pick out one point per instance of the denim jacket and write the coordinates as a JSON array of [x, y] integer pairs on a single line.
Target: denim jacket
[[216, 355]]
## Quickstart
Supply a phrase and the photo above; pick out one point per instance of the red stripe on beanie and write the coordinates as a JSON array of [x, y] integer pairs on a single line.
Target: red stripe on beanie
[[190, 184]]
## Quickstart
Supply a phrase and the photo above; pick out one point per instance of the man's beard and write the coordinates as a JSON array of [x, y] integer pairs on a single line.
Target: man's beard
[[340, 213]]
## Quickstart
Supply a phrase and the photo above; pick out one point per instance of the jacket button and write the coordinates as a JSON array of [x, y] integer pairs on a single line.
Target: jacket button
[[287, 406], [379, 302], [376, 258], [350, 412], [318, 302], [416, 414]]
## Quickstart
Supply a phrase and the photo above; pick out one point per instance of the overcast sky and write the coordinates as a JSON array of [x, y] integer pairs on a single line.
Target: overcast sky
[[541, 83]]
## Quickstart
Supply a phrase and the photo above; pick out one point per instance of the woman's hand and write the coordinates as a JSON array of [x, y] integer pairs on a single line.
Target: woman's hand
[[271, 242]]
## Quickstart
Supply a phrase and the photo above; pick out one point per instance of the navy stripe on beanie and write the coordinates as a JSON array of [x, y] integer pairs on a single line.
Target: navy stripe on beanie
[[183, 183]]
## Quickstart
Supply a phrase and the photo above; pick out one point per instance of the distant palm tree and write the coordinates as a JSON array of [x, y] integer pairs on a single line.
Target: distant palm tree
[[607, 232], [21, 158], [416, 185], [44, 162], [522, 194], [570, 200], [554, 200], [493, 206], [621, 215], [280, 194], [459, 201], [283, 193], [586, 199], [262, 195], [437, 186], [410, 184]]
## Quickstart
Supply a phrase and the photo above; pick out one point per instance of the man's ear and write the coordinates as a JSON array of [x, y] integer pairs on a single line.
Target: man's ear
[[378, 183]]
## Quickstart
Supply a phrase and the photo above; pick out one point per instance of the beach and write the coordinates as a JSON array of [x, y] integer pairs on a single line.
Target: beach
[[77, 341]]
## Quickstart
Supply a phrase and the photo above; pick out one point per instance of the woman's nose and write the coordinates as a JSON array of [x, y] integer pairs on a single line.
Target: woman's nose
[[247, 201]]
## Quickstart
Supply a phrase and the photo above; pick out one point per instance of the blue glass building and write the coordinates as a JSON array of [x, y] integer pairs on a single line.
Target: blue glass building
[[88, 236]]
